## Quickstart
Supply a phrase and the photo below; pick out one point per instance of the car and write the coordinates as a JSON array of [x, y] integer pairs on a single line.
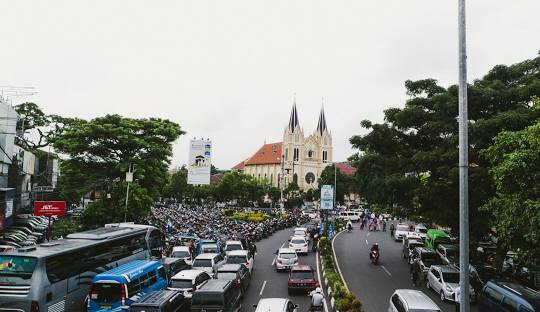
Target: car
[[405, 300], [301, 231], [241, 257], [161, 301], [236, 272], [209, 249], [301, 278], [183, 253], [400, 231], [275, 305], [217, 295], [188, 281], [233, 245], [498, 296], [299, 244], [408, 248], [425, 258], [444, 280], [286, 258], [421, 230], [448, 253], [208, 262], [174, 265]]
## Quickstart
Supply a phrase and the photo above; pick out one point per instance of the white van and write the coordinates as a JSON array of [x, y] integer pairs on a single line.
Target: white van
[[354, 216]]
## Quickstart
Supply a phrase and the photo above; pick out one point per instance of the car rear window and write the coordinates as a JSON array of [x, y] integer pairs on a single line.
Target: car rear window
[[302, 274], [226, 275], [233, 247], [236, 259], [287, 255], [180, 254], [204, 263], [402, 228], [430, 259], [205, 298], [298, 241], [451, 277], [181, 283]]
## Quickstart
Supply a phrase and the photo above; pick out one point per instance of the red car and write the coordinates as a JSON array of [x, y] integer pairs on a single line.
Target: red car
[[301, 278]]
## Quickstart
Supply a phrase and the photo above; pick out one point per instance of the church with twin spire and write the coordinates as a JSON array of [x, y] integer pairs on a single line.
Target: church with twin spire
[[298, 158]]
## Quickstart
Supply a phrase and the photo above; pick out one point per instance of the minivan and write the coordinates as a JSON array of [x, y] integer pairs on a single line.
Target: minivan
[[504, 296], [217, 295]]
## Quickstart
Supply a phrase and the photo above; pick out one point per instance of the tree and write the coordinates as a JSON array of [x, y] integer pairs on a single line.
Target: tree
[[343, 182], [515, 206], [177, 186]]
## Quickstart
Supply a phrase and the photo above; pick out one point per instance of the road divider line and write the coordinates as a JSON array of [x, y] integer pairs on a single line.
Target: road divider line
[[319, 278], [262, 289], [367, 242], [274, 261], [369, 233], [385, 270], [337, 262]]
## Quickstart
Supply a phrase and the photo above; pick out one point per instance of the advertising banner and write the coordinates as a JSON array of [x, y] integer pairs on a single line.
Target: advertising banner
[[50, 208], [327, 197], [199, 162]]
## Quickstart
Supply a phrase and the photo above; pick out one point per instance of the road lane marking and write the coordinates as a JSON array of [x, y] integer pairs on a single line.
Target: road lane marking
[[337, 262], [385, 270], [320, 281], [367, 242], [274, 261], [369, 233], [262, 289]]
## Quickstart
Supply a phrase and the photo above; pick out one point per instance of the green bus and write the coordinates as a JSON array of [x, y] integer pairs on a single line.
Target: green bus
[[436, 237]]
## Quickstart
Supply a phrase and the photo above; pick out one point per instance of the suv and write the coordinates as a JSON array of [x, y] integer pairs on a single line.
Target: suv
[[425, 258], [217, 295], [275, 305], [448, 253], [301, 277], [241, 257], [444, 280], [285, 258], [238, 273], [183, 253], [208, 262], [409, 246], [161, 301], [503, 296], [188, 281], [405, 300]]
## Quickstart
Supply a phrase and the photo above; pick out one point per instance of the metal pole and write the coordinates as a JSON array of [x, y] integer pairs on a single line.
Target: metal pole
[[335, 185], [463, 166], [127, 197]]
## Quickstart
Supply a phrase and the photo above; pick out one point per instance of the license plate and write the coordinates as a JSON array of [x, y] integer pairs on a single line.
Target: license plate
[[105, 307]]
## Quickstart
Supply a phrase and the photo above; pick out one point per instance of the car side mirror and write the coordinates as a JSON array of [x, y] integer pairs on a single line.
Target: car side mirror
[[296, 306], [254, 305]]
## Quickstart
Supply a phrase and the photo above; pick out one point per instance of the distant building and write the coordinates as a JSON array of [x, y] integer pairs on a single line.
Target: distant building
[[297, 158]]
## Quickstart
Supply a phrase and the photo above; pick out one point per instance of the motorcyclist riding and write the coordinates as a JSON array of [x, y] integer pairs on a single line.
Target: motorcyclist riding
[[374, 251], [317, 298], [349, 225]]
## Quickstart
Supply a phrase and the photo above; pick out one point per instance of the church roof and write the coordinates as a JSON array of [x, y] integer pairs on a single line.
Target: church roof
[[345, 168], [240, 166], [267, 154], [321, 125], [293, 120]]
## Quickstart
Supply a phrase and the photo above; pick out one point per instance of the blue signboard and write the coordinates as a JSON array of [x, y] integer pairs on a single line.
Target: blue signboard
[[327, 197]]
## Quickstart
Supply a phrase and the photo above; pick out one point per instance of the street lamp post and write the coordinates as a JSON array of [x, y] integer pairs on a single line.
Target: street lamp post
[[129, 178]]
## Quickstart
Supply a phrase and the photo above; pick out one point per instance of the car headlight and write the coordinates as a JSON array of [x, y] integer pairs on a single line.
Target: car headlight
[[449, 289]]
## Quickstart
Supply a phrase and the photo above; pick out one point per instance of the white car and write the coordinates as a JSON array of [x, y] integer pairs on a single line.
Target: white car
[[208, 262], [183, 253], [286, 258], [241, 257], [401, 230], [275, 305], [411, 300], [444, 280], [299, 244], [188, 281], [421, 230], [233, 245]]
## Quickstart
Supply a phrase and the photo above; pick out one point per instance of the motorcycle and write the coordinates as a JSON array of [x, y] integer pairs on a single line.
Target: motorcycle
[[349, 228], [374, 256], [316, 308]]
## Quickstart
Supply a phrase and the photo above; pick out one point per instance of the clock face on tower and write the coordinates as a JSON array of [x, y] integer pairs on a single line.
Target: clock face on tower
[[310, 178]]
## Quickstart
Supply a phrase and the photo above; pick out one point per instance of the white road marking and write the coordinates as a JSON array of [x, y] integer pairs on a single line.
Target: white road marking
[[367, 242], [369, 233], [274, 261], [337, 262], [262, 289], [385, 270], [319, 278]]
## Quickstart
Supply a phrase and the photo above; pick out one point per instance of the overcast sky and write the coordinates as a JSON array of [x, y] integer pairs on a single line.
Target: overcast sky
[[227, 69]]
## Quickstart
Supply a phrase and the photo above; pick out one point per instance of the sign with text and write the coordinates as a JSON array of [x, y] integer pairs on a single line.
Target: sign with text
[[50, 208], [327, 197], [200, 156]]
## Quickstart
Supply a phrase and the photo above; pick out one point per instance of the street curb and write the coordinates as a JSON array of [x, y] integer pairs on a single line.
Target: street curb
[[328, 289], [337, 262]]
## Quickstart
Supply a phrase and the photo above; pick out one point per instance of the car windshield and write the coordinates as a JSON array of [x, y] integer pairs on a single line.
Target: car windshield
[[451, 277], [421, 230], [430, 259], [287, 255], [236, 259], [299, 233], [301, 275], [227, 275], [209, 248], [414, 245], [181, 283], [298, 241], [202, 263], [17, 266], [452, 253], [402, 228], [233, 247], [105, 292], [180, 254]]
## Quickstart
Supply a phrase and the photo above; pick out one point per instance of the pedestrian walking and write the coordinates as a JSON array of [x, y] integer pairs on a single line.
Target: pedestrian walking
[[384, 226], [457, 297]]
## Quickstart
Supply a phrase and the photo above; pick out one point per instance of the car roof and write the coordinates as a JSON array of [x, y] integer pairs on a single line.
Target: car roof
[[286, 250], [238, 253], [206, 256], [229, 267], [301, 267], [532, 296], [297, 237], [187, 274], [416, 299], [446, 268], [272, 304], [156, 297], [449, 246], [213, 285], [237, 242], [180, 248], [425, 250]]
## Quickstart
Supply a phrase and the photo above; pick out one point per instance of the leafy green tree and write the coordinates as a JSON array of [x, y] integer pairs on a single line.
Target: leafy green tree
[[177, 186], [515, 206], [294, 195]]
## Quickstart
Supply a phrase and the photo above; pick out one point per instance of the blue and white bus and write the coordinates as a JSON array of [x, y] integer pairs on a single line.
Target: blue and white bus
[[117, 289], [56, 276]]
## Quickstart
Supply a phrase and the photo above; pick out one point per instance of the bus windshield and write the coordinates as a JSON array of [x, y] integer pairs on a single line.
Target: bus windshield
[[105, 292], [17, 266]]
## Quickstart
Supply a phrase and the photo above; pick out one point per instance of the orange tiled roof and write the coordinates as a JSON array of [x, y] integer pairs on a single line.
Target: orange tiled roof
[[267, 154], [345, 168], [240, 166]]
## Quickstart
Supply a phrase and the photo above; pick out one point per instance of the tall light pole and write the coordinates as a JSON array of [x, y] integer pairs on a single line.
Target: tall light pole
[[463, 165], [129, 178]]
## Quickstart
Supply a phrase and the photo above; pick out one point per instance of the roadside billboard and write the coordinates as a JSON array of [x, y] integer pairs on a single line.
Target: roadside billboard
[[200, 162], [50, 208], [327, 197]]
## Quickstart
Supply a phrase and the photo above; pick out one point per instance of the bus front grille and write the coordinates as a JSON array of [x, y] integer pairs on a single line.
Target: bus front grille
[[14, 290]]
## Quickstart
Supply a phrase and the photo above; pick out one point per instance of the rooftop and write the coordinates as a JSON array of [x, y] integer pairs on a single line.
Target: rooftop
[[268, 154]]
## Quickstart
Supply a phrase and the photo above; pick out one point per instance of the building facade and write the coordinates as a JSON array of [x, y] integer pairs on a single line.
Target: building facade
[[298, 158]]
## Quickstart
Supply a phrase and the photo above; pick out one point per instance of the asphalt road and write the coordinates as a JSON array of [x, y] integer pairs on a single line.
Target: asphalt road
[[266, 282], [374, 284]]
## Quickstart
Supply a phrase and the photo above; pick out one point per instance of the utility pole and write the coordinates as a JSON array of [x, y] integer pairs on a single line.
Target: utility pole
[[463, 165], [335, 185], [129, 178]]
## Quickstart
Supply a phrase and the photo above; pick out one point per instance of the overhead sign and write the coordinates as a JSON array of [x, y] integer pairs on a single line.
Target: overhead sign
[[50, 208], [200, 156], [327, 197]]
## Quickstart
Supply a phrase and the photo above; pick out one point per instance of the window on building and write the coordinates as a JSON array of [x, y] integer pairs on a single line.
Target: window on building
[[259, 176], [279, 180], [265, 176], [296, 154], [325, 156], [271, 179], [286, 154], [295, 178], [310, 154]]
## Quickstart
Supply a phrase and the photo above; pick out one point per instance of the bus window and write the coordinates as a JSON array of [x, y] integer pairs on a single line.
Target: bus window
[[17, 266], [106, 292], [155, 244]]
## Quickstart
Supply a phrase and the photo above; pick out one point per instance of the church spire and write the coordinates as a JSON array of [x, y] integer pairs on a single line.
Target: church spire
[[321, 125], [293, 120]]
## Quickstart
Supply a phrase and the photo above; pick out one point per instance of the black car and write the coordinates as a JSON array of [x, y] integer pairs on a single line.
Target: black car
[[161, 301], [425, 258], [238, 273], [217, 295]]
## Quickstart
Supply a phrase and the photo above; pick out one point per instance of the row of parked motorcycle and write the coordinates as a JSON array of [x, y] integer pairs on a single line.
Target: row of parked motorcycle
[[26, 230]]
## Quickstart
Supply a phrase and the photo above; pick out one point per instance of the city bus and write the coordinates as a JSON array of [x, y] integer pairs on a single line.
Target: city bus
[[56, 276], [118, 288]]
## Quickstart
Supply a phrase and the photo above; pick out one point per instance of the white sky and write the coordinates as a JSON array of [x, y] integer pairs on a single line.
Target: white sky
[[228, 69]]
